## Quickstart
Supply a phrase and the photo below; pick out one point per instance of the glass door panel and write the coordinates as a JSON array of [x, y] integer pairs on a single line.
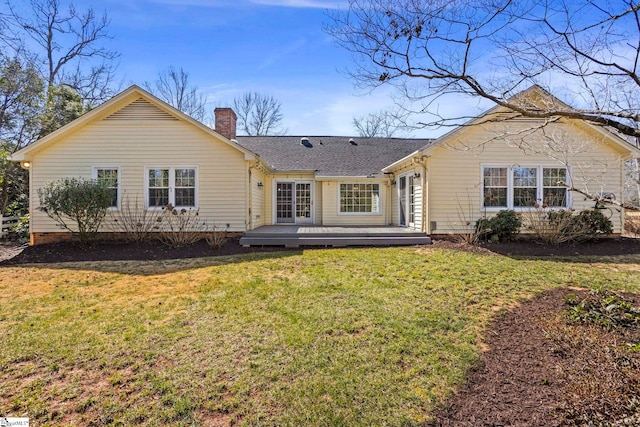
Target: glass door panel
[[303, 203], [284, 203]]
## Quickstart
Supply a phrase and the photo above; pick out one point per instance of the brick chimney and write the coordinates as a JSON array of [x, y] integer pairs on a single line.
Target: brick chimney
[[226, 122]]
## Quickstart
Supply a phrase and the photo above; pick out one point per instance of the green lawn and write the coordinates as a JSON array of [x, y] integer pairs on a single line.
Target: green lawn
[[323, 337]]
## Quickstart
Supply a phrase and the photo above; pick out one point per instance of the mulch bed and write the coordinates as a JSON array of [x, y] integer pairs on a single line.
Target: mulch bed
[[11, 253], [601, 247], [540, 369], [118, 251]]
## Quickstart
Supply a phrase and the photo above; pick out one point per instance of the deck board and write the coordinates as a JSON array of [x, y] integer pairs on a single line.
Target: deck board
[[313, 235]]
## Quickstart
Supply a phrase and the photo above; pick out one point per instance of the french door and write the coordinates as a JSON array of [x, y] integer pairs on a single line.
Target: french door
[[294, 202], [406, 200]]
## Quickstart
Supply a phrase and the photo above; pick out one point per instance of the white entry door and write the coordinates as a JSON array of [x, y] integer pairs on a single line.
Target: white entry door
[[294, 202]]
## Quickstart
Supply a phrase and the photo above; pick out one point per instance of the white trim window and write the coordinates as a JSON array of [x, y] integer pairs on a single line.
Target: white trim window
[[359, 198], [525, 187], [110, 175], [519, 187], [171, 185], [554, 194], [495, 187]]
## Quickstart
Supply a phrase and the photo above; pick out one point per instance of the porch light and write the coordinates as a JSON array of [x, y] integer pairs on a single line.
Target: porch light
[[416, 174], [260, 184], [25, 164]]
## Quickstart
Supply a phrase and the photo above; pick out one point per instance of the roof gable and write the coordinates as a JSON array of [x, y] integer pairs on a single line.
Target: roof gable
[[133, 104], [533, 97]]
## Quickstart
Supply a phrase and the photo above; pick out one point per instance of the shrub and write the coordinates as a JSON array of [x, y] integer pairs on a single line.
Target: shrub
[[556, 227], [21, 228], [76, 204], [216, 237], [504, 226], [595, 222], [632, 223], [180, 227], [134, 220]]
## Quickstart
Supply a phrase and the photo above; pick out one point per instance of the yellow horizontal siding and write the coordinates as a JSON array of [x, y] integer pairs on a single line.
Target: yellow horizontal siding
[[330, 208], [221, 169], [455, 182], [318, 203]]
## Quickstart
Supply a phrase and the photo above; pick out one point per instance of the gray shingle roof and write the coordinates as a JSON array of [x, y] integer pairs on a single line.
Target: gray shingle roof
[[331, 155]]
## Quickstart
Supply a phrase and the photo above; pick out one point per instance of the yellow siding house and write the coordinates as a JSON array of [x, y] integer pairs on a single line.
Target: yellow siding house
[[155, 155]]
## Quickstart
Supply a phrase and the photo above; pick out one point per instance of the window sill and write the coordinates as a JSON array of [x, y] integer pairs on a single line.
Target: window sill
[[359, 213]]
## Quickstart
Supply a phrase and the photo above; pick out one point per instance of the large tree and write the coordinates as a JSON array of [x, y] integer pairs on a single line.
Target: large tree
[[173, 87], [258, 114], [70, 45], [21, 107], [588, 51]]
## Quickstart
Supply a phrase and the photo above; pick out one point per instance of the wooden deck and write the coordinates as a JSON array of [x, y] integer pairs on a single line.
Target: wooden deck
[[293, 236]]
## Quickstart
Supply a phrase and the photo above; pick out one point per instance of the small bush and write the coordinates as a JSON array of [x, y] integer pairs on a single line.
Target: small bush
[[504, 226], [215, 237], [78, 205], [595, 222], [632, 223], [556, 227], [180, 227], [134, 220], [21, 228]]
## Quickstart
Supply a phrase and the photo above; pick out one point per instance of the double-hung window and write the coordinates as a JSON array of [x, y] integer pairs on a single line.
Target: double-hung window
[[554, 193], [525, 187], [513, 187], [110, 176], [359, 198], [495, 187], [171, 185]]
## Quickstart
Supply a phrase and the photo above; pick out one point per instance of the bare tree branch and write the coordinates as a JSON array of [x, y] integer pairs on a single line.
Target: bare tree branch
[[71, 46], [258, 114], [381, 124], [493, 49], [173, 87]]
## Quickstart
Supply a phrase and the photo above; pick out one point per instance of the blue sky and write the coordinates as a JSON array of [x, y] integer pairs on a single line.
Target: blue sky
[[228, 47]]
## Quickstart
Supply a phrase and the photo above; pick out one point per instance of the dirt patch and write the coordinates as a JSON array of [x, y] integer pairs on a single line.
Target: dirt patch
[[542, 370]]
